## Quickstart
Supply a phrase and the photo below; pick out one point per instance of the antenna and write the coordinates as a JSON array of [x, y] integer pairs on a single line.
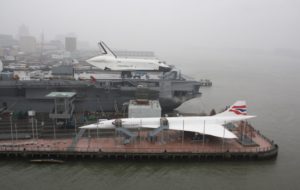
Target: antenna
[[42, 46]]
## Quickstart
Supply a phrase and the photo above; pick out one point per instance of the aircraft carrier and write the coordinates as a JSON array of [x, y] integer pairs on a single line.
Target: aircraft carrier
[[101, 95], [25, 87]]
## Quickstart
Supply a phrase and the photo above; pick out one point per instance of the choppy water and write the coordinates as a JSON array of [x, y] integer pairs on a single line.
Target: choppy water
[[270, 84]]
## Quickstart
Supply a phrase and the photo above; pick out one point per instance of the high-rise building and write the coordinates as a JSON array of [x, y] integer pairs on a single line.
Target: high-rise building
[[28, 44], [23, 31], [70, 44], [6, 40]]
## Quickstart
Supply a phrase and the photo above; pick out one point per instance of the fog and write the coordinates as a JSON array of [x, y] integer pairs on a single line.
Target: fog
[[163, 26]]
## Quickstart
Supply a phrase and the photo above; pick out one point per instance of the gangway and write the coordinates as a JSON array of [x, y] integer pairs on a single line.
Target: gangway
[[164, 124], [76, 139], [128, 134]]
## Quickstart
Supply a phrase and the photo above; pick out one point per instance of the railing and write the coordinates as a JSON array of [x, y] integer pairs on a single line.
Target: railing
[[265, 138], [257, 132]]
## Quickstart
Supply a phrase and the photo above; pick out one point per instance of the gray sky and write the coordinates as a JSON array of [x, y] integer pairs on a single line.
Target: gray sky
[[160, 25]]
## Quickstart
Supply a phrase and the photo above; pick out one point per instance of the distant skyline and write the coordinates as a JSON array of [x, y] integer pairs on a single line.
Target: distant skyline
[[169, 25]]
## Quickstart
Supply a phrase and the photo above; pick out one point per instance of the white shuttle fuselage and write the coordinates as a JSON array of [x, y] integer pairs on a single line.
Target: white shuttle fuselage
[[109, 61]]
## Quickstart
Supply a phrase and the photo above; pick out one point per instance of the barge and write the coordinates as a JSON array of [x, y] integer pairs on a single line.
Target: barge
[[226, 135], [168, 145]]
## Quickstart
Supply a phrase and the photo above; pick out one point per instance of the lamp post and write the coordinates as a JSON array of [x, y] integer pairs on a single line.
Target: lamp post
[[31, 113], [223, 137], [141, 123], [32, 126], [97, 128], [11, 128], [203, 138], [16, 132], [36, 130], [244, 129], [54, 134], [182, 131]]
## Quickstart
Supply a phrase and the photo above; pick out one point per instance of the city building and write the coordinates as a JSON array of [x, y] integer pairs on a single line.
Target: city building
[[28, 44], [6, 40], [70, 44], [23, 31]]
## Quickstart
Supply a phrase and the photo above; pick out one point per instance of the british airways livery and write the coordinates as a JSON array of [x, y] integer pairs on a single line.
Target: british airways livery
[[209, 125]]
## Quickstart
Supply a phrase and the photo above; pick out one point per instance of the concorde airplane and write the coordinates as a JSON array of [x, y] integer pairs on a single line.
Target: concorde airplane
[[109, 61], [209, 125]]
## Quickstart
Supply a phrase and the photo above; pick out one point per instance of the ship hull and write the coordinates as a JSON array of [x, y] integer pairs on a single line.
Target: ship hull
[[100, 95]]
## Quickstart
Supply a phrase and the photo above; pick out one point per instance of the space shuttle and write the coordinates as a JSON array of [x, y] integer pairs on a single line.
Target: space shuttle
[[108, 60], [208, 125]]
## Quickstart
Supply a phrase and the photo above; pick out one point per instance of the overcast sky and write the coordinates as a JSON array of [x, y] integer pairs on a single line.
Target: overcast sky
[[160, 24]]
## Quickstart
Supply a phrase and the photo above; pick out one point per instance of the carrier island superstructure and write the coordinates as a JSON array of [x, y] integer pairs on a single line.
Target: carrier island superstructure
[[102, 83]]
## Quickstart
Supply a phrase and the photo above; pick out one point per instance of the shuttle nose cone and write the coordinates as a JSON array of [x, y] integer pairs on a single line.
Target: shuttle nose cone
[[89, 60]]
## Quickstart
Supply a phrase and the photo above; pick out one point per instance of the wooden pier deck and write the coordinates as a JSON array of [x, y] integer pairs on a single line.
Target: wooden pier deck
[[168, 145]]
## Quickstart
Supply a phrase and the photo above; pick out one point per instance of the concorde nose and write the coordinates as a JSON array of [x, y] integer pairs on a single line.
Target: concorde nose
[[90, 126]]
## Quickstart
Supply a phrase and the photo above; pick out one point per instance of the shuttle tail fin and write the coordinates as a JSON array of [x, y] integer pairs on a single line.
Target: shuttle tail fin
[[106, 49]]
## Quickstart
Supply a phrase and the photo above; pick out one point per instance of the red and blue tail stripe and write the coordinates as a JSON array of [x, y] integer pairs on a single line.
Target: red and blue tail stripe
[[239, 110]]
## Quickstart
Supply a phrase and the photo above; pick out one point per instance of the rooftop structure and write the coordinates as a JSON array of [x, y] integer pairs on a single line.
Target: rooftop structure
[[144, 108], [63, 105]]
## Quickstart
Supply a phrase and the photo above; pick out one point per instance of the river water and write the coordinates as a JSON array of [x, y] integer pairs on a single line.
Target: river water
[[268, 82]]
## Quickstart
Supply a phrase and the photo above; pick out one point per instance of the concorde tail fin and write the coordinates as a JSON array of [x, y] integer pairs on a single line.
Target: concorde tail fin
[[239, 108]]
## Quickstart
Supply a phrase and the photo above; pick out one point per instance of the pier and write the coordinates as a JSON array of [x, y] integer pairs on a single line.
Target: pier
[[170, 145]]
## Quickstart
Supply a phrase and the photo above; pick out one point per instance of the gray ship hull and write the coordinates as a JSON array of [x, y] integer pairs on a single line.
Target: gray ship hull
[[100, 95]]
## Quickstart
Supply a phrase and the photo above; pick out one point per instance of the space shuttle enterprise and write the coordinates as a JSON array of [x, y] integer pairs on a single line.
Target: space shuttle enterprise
[[108, 60], [208, 125]]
